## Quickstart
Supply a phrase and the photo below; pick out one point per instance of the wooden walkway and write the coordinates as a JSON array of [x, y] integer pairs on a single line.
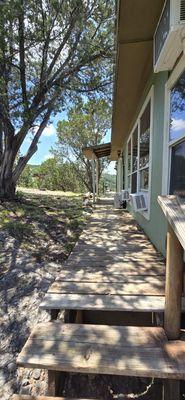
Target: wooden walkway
[[112, 267]]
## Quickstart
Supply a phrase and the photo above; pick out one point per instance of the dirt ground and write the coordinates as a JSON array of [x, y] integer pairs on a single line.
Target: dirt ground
[[37, 233]]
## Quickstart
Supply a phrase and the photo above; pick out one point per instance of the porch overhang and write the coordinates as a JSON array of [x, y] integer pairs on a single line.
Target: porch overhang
[[99, 151], [136, 24]]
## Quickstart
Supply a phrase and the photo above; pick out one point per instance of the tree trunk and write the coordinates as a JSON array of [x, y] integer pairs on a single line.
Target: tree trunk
[[7, 188], [7, 181]]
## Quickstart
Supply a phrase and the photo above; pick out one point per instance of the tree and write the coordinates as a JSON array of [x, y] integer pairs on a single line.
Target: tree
[[50, 51], [27, 179], [86, 125], [52, 174]]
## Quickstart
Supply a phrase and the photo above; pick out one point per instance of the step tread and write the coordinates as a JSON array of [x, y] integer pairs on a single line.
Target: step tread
[[30, 397], [140, 287], [104, 302], [101, 349]]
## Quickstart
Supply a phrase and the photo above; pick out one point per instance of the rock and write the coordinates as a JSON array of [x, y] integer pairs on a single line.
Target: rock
[[2, 378], [36, 374], [26, 390], [25, 382], [11, 366]]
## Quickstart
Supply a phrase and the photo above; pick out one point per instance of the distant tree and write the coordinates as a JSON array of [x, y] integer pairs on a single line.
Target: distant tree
[[52, 174], [86, 125], [50, 51], [27, 178]]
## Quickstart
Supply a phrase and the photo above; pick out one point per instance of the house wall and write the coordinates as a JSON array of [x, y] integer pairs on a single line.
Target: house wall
[[155, 227]]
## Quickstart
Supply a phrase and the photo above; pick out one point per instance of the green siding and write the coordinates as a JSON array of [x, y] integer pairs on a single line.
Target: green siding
[[156, 227]]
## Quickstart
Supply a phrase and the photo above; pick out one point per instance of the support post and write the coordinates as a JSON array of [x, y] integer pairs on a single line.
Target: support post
[[54, 314], [93, 180], [173, 289], [171, 389], [97, 176], [54, 378]]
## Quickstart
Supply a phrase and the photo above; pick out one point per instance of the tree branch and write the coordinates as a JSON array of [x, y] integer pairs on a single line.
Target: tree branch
[[74, 17], [22, 57], [32, 149]]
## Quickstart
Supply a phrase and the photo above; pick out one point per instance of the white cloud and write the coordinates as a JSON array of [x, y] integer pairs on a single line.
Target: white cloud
[[49, 130], [178, 124], [47, 156]]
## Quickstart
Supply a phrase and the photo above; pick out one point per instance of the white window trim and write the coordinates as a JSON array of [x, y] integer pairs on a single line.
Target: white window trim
[[150, 97], [167, 145]]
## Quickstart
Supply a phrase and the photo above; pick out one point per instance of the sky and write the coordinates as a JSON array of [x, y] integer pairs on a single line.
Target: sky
[[48, 140]]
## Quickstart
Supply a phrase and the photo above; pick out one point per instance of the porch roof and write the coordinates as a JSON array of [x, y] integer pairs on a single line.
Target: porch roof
[[101, 150], [136, 24]]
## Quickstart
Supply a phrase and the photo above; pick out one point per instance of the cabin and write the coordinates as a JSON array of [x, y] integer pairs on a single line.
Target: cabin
[[148, 128]]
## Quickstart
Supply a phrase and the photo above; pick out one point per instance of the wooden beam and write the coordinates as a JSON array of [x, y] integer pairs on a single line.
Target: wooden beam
[[174, 282]]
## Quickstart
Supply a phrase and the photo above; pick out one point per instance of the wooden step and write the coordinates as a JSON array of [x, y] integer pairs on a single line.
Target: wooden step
[[133, 266], [29, 397], [101, 349], [135, 287], [140, 303]]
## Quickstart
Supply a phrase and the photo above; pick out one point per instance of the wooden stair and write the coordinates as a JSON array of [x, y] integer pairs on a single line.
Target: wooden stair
[[106, 292], [54, 301], [101, 349]]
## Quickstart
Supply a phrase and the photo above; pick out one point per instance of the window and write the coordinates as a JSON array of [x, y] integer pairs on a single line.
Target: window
[[177, 137], [134, 160], [138, 151], [144, 148], [174, 139]]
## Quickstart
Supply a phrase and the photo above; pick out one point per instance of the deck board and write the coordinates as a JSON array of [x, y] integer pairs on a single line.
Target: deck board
[[174, 210], [104, 302], [116, 288], [112, 267], [104, 350]]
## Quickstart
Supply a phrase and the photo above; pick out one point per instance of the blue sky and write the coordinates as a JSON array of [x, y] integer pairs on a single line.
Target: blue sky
[[48, 140]]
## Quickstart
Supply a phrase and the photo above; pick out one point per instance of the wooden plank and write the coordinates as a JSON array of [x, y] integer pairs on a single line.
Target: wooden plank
[[174, 282], [106, 334], [121, 355], [127, 267], [174, 212], [104, 302], [132, 288], [91, 275], [30, 397]]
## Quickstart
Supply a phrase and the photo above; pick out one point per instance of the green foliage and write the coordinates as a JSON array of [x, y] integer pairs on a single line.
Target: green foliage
[[51, 175], [46, 226], [51, 52], [108, 181], [86, 125], [62, 45]]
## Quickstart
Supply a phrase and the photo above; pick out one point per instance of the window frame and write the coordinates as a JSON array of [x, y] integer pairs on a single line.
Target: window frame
[[167, 144], [149, 98]]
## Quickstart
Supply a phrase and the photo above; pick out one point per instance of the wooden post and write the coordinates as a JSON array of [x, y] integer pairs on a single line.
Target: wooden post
[[174, 282], [171, 389], [53, 382], [93, 179], [97, 176], [54, 314]]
